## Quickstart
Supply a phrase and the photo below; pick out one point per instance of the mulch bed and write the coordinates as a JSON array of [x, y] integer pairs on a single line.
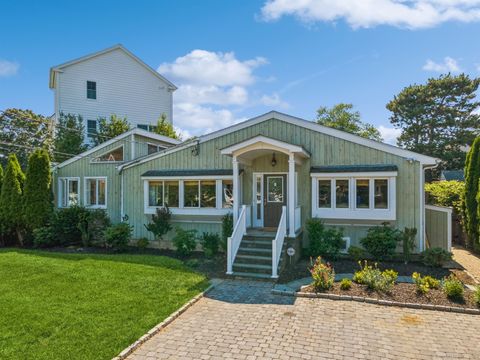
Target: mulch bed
[[344, 266], [402, 292]]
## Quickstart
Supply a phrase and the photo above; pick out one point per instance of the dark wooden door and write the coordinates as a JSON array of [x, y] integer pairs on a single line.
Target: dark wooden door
[[275, 196]]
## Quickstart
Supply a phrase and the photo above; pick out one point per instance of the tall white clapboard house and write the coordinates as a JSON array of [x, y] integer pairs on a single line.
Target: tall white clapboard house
[[111, 81]]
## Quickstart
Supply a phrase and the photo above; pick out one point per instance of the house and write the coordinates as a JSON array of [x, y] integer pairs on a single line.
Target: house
[[452, 175], [283, 170], [111, 81]]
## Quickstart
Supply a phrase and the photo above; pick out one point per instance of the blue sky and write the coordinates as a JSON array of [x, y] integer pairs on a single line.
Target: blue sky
[[237, 59]]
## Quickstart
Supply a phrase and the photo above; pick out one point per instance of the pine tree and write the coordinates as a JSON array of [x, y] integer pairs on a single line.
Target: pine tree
[[472, 177], [1, 178], [38, 204], [69, 137], [11, 209], [165, 128]]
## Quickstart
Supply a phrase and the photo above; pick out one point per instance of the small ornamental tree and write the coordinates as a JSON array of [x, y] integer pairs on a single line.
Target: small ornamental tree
[[164, 128], [38, 204], [11, 204], [108, 129], [160, 224], [472, 176]]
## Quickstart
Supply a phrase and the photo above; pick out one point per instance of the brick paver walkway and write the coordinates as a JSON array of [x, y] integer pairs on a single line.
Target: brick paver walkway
[[469, 261], [242, 320]]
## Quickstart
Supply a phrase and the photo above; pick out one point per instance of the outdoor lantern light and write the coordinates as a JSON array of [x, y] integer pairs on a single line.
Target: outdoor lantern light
[[274, 161]]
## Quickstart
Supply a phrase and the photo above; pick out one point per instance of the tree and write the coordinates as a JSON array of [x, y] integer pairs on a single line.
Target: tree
[[38, 204], [1, 178], [342, 117], [11, 209], [472, 176], [21, 131], [69, 137], [438, 118], [165, 128], [108, 129]]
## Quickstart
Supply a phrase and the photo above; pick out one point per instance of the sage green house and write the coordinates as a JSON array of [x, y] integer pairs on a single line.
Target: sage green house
[[272, 172]]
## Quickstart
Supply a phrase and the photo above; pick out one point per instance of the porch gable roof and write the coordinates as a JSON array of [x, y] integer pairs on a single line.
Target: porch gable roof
[[264, 142]]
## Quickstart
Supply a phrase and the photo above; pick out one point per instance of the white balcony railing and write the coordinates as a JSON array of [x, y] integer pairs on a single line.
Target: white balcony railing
[[277, 243], [233, 242]]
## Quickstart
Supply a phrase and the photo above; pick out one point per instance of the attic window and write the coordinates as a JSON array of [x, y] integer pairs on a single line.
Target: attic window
[[91, 90], [111, 156], [153, 148]]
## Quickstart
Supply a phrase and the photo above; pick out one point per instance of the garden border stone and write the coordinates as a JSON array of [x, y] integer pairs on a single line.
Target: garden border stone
[[157, 328], [377, 301]]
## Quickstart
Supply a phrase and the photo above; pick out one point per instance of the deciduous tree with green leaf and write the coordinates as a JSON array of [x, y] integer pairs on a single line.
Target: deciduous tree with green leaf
[[38, 204], [438, 118], [343, 117], [11, 200], [164, 128], [108, 129], [69, 137]]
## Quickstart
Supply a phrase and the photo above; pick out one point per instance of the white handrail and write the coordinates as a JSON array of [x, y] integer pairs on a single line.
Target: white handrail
[[233, 242], [277, 243]]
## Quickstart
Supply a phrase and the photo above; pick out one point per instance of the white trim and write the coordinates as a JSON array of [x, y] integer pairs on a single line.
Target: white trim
[[352, 212], [61, 190], [85, 189], [93, 161], [191, 211], [122, 201], [363, 174], [255, 221], [201, 177], [263, 142], [347, 244], [58, 68], [132, 147], [134, 131]]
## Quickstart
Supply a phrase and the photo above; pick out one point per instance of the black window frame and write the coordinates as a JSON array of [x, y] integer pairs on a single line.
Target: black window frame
[[91, 90]]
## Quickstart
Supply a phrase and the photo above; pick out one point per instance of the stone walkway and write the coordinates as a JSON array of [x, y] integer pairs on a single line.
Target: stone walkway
[[469, 261], [243, 320]]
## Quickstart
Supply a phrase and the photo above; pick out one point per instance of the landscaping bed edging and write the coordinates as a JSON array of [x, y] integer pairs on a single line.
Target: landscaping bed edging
[[377, 301], [157, 328]]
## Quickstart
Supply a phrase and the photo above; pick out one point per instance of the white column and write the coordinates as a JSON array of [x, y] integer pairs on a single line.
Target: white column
[[236, 190], [291, 195]]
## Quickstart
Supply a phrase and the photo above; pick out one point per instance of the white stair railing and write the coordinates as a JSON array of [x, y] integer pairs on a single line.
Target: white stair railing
[[277, 243], [233, 242]]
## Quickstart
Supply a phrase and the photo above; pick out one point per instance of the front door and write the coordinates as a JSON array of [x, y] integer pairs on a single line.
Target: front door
[[274, 198]]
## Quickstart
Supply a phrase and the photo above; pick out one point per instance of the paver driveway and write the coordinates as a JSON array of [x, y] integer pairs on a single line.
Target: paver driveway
[[242, 320]]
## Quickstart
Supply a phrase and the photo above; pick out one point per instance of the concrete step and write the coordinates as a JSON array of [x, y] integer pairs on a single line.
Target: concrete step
[[254, 268], [252, 275], [259, 244], [259, 237], [254, 259], [253, 250]]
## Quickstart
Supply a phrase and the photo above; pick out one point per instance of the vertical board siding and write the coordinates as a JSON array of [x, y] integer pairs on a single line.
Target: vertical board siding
[[324, 150], [436, 227]]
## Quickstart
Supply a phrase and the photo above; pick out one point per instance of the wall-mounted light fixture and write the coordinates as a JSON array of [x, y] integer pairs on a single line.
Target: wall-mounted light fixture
[[274, 161]]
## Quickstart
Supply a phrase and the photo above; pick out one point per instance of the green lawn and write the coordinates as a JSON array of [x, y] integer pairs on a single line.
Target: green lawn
[[84, 306]]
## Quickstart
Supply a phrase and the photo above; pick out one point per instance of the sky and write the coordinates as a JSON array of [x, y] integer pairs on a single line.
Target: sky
[[233, 60]]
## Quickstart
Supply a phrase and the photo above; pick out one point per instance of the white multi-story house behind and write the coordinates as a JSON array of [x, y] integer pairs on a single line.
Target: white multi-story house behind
[[111, 81]]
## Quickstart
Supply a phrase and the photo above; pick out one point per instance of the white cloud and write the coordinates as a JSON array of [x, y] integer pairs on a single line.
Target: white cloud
[[209, 85], [274, 100], [8, 68], [412, 14], [389, 134], [449, 65]]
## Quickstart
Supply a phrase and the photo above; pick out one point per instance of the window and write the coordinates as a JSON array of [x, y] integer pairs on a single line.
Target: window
[[190, 191], [381, 194], [356, 196], [208, 197], [227, 194], [146, 127], [68, 191], [200, 193], [96, 192], [91, 128], [153, 148], [324, 193], [113, 155], [275, 189], [342, 194], [163, 193], [363, 193], [91, 90]]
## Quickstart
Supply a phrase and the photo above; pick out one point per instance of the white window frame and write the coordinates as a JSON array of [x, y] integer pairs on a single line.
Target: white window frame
[[184, 210], [85, 190], [96, 90], [352, 212], [159, 147], [94, 161], [61, 190], [283, 190]]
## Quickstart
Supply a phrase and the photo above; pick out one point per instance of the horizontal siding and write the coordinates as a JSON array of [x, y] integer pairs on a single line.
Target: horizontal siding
[[124, 87], [324, 150]]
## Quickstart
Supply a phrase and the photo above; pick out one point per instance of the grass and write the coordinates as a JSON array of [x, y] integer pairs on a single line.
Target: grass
[[85, 306]]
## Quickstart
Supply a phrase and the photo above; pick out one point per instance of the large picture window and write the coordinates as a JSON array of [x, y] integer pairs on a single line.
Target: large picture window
[[96, 192], [163, 193], [68, 192], [354, 196]]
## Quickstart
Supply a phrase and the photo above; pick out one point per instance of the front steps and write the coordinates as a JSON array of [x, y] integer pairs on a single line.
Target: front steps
[[254, 257]]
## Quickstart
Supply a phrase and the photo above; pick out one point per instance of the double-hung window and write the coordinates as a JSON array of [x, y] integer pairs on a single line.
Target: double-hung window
[[366, 196], [91, 90], [68, 192], [96, 192]]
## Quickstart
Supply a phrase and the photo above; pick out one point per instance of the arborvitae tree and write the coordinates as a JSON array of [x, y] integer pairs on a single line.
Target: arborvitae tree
[[11, 204], [472, 176], [38, 204], [69, 137], [165, 128], [108, 129], [1, 178]]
